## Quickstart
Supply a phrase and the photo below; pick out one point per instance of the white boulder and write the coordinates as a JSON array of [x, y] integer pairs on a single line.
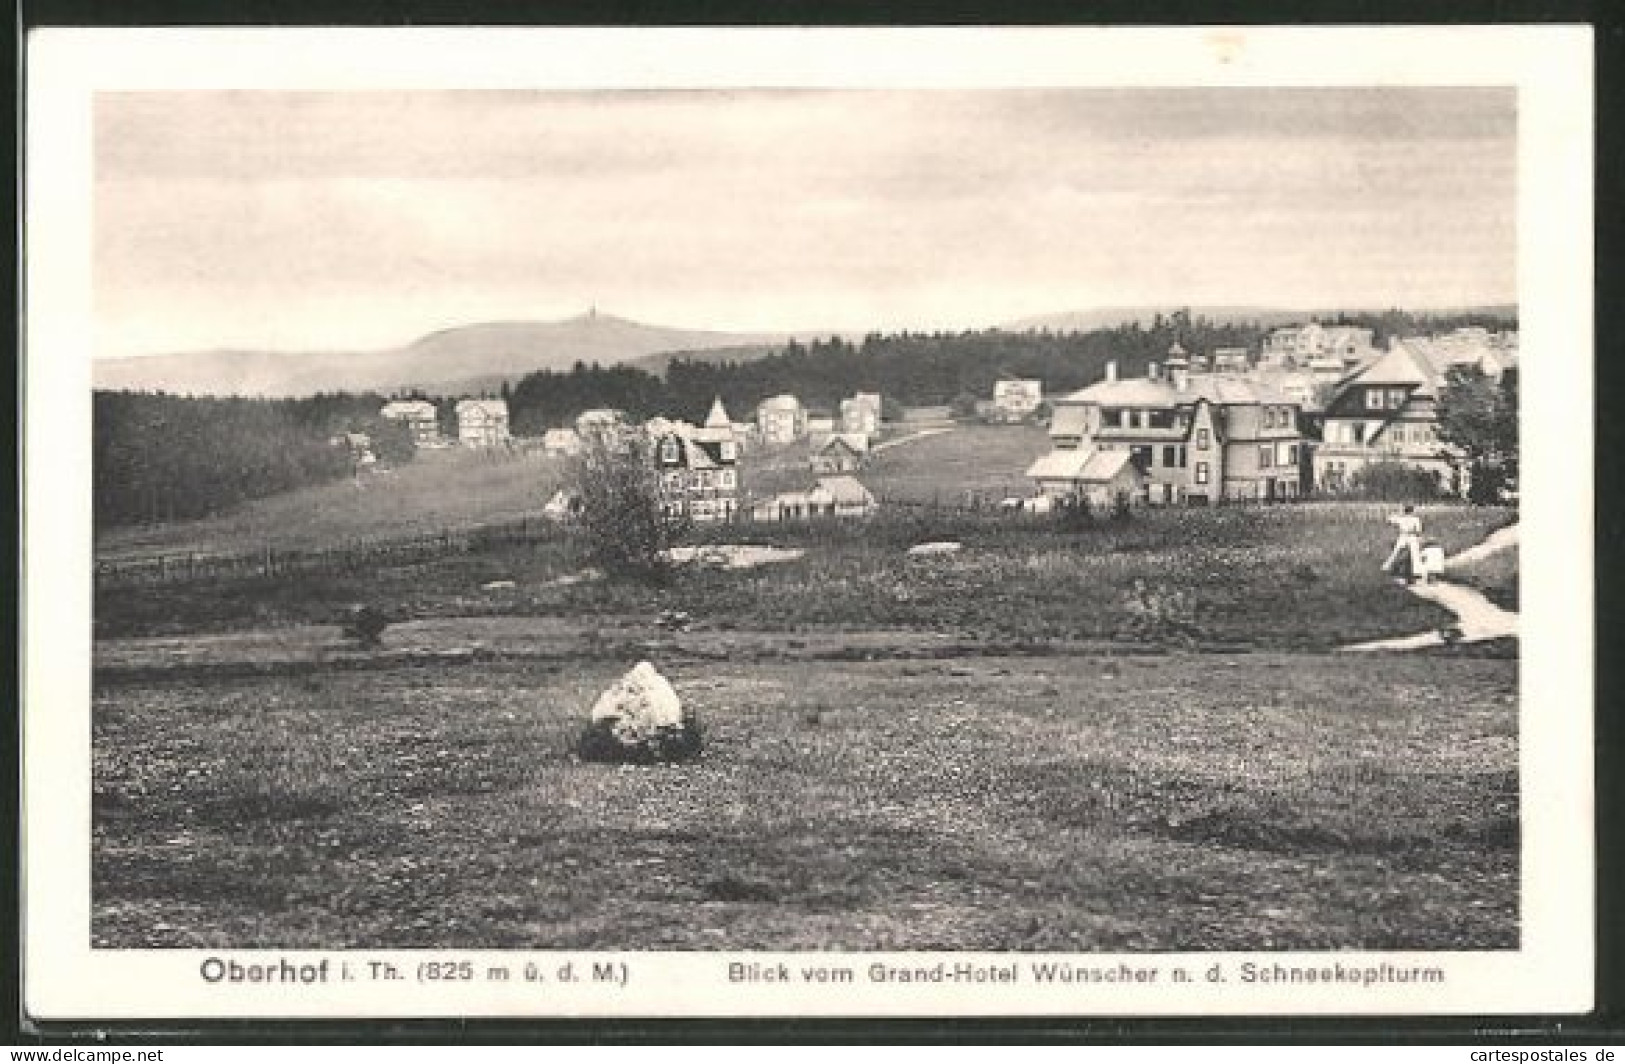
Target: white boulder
[[640, 718]]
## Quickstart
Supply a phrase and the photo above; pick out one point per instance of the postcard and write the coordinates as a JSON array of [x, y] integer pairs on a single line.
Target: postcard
[[819, 522]]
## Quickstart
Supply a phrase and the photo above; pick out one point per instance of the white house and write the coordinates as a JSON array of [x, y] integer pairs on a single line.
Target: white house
[[482, 422], [419, 415]]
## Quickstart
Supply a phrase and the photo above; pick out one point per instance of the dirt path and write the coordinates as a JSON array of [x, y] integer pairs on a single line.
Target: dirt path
[[1477, 618], [1497, 541], [899, 441]]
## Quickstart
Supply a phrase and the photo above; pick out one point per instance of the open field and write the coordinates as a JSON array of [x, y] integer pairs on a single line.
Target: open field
[[1288, 577], [970, 461], [453, 488], [1193, 802]]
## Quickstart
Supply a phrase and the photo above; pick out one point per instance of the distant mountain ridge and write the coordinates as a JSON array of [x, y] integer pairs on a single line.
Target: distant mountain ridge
[[451, 359], [477, 358]]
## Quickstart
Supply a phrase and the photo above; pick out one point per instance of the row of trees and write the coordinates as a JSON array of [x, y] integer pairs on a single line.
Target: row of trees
[[915, 369], [159, 457]]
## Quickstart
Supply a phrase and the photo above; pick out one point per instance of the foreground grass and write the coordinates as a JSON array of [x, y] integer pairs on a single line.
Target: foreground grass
[[1301, 577], [1062, 804]]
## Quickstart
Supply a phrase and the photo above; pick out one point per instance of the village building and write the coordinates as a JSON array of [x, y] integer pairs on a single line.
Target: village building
[[1469, 348], [831, 497], [842, 452], [482, 422], [1298, 345], [419, 415], [1387, 411], [602, 425], [1099, 478], [1228, 360], [718, 425], [861, 414], [781, 419], [1195, 438], [1016, 400], [561, 442], [699, 473]]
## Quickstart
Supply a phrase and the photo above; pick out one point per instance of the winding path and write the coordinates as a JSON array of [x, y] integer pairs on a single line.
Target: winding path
[[1477, 618], [900, 440]]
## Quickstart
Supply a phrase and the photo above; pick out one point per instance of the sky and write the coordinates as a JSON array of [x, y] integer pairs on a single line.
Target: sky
[[350, 221]]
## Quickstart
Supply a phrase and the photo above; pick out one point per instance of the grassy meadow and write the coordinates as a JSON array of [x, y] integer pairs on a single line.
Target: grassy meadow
[[1124, 736], [439, 489], [1302, 577], [969, 462], [1180, 802]]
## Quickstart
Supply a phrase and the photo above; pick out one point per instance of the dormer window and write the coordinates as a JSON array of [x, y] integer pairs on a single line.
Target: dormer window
[[730, 450], [668, 449], [1373, 399]]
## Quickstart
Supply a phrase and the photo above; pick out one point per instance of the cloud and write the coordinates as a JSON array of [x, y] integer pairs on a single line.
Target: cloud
[[327, 219]]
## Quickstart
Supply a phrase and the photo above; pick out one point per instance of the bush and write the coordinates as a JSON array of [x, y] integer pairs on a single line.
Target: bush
[[1074, 515], [1158, 612], [621, 517], [1395, 482]]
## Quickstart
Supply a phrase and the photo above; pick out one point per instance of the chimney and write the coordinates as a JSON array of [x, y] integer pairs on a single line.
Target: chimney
[[1153, 371], [1111, 370], [1181, 376]]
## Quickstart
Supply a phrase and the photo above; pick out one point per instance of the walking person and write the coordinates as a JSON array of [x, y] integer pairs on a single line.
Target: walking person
[[1407, 546]]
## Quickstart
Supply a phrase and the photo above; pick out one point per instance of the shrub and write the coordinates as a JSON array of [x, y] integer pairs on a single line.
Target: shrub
[[1395, 482], [621, 517], [1159, 612], [1074, 515]]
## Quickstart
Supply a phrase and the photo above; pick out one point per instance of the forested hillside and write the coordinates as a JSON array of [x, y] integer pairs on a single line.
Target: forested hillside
[[158, 457], [912, 368]]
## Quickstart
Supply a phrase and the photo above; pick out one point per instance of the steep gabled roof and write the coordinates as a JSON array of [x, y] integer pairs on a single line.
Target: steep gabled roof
[[857, 442], [718, 417], [1401, 366]]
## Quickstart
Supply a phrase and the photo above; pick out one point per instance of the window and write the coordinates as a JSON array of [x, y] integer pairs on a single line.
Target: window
[[1291, 454], [1373, 398], [1266, 456], [1140, 455], [730, 450], [1396, 398], [1201, 439], [668, 450], [1170, 457], [1145, 419], [674, 481], [725, 478], [1269, 417], [1201, 472]]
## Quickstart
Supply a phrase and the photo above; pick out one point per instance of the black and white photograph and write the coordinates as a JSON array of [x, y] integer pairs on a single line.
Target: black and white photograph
[[867, 543]]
